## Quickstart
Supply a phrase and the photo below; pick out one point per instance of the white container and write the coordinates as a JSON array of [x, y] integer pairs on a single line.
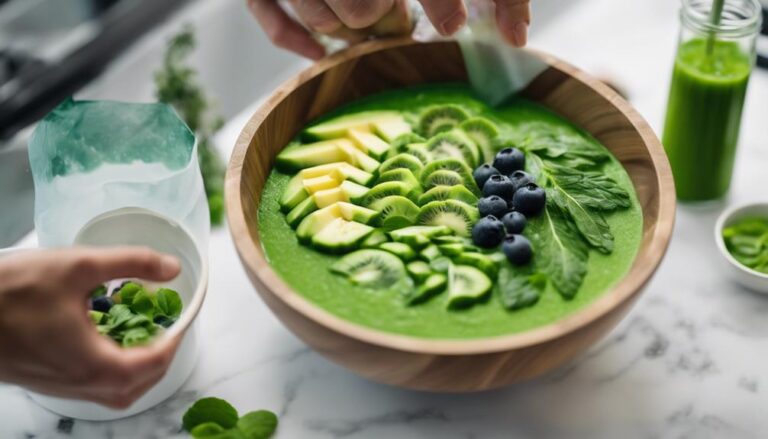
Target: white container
[[141, 227], [754, 280]]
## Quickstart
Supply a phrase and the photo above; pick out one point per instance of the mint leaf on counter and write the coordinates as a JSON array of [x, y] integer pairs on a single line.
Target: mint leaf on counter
[[216, 418], [210, 410], [260, 424], [560, 251]]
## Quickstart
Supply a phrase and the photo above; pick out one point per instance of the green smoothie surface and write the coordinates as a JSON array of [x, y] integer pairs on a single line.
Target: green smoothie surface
[[307, 270]]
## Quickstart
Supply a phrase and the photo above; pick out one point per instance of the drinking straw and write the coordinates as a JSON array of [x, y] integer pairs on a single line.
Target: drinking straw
[[714, 18]]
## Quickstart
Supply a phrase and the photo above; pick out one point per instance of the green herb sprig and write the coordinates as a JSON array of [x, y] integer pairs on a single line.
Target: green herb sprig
[[216, 418], [176, 84], [578, 196]]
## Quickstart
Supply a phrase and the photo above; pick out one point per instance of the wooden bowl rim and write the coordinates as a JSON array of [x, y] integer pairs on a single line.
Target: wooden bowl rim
[[647, 260]]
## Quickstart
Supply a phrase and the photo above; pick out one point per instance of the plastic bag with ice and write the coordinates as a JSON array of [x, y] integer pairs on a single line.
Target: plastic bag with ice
[[91, 157]]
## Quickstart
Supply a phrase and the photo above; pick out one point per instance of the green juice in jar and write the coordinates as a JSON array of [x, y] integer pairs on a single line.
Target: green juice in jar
[[703, 116]]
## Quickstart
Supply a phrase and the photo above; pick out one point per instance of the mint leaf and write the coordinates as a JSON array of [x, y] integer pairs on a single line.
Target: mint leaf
[[135, 336], [127, 293], [213, 410], [119, 315], [593, 190], [169, 302], [260, 424], [559, 251], [143, 303], [209, 430], [518, 287], [591, 225]]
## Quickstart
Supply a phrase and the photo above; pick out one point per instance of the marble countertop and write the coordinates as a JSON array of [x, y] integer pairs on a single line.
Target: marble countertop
[[686, 362]]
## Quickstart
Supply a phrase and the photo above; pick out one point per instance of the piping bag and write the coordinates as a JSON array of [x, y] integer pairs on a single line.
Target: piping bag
[[496, 70]]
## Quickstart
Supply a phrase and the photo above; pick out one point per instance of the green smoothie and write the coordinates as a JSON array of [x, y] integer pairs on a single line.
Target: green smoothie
[[307, 271], [703, 116]]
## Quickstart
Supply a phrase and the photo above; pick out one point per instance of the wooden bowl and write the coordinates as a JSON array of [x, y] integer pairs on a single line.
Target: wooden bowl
[[444, 365]]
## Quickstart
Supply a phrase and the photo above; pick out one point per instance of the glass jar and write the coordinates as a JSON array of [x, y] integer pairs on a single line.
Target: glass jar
[[709, 83]]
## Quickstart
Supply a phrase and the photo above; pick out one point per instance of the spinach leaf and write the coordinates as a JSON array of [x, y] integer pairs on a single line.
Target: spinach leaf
[[208, 430], [135, 336], [119, 315], [127, 293], [143, 303], [519, 287], [168, 302], [257, 425], [593, 190], [213, 410], [591, 225], [560, 252]]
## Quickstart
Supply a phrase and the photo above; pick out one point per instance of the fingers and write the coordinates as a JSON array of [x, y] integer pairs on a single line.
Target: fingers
[[283, 31], [358, 14], [396, 22], [316, 15], [447, 16], [92, 266], [513, 18]]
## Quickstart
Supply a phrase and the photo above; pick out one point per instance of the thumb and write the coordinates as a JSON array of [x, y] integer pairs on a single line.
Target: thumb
[[92, 266]]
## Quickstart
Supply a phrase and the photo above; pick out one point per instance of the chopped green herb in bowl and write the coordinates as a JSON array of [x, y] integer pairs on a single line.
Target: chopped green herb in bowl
[[747, 241], [133, 314]]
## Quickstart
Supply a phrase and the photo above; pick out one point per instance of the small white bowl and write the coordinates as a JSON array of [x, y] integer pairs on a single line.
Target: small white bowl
[[754, 280], [141, 227]]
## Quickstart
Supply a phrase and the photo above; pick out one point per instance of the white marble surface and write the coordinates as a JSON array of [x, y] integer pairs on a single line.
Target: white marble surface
[[690, 360]]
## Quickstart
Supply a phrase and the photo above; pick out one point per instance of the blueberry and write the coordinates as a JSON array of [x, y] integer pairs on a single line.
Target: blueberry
[[517, 249], [509, 160], [483, 173], [529, 200], [102, 303], [499, 185], [488, 232], [520, 179], [514, 222], [493, 205]]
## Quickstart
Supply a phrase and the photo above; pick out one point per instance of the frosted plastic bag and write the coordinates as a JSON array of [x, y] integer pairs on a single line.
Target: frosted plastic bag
[[91, 157], [496, 70]]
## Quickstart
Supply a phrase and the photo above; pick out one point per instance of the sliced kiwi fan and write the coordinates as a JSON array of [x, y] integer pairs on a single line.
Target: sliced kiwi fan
[[396, 201]]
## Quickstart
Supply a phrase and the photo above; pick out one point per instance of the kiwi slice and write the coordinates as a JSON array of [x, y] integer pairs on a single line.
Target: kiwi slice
[[400, 144], [430, 253], [455, 165], [402, 251], [371, 268], [418, 236], [395, 212], [419, 150], [450, 250], [401, 174], [419, 270], [482, 131], [432, 286], [441, 118], [480, 261], [402, 160], [388, 189], [374, 239], [458, 216], [466, 286], [454, 144], [442, 177], [440, 193]]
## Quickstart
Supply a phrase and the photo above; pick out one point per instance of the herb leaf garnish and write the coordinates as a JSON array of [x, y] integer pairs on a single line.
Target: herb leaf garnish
[[591, 225], [561, 253], [216, 418], [518, 287]]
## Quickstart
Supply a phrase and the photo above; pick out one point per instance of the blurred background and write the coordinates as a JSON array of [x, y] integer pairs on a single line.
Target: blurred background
[[110, 49]]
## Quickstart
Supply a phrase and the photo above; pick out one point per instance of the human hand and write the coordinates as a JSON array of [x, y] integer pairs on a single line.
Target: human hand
[[357, 20], [49, 345]]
